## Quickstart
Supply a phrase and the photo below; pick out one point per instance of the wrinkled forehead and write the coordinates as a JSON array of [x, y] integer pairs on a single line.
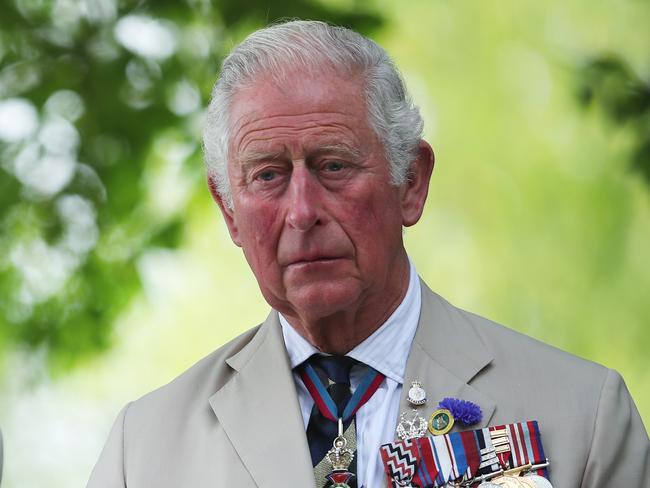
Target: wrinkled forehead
[[297, 97], [317, 65], [302, 85], [291, 80]]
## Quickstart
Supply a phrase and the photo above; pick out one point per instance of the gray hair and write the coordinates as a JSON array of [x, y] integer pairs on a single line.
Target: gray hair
[[312, 44]]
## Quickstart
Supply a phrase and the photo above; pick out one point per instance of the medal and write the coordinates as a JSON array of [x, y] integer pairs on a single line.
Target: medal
[[472, 453], [340, 457], [456, 449], [451, 410], [417, 395], [441, 421], [400, 462], [501, 442], [411, 429], [540, 481], [508, 481], [512, 478], [527, 482], [505, 456], [488, 461]]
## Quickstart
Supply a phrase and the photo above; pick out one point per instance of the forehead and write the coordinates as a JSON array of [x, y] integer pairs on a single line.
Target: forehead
[[302, 108]]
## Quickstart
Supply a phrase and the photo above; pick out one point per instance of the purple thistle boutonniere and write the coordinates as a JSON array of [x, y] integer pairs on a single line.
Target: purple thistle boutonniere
[[467, 413]]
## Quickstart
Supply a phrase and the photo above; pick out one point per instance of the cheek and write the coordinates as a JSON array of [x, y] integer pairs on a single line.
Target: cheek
[[259, 229], [376, 214], [375, 226]]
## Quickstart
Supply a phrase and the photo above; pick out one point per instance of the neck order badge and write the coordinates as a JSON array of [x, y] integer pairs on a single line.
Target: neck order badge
[[339, 456]]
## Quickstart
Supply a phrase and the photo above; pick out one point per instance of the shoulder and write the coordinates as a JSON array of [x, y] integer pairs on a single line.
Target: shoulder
[[524, 376], [510, 348], [517, 348], [193, 388], [585, 412], [175, 424]]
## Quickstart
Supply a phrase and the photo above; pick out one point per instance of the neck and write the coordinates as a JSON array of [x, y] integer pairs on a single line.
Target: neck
[[342, 331]]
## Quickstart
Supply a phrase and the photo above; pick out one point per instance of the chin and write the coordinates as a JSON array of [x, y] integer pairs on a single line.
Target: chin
[[323, 299]]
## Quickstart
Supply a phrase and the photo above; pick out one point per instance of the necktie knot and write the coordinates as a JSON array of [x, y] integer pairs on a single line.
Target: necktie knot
[[335, 368]]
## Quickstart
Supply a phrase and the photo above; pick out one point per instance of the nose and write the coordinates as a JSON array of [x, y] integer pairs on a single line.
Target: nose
[[304, 200]]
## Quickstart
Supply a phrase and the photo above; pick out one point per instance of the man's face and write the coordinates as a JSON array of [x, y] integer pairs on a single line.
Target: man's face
[[313, 206]]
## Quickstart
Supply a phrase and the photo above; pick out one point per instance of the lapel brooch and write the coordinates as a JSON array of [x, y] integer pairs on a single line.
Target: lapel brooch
[[416, 426], [451, 410]]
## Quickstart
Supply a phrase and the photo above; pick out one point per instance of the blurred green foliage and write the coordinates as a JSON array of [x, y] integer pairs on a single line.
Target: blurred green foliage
[[625, 98], [98, 100]]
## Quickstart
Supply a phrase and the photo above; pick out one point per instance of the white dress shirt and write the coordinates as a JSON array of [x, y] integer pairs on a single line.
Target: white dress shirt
[[386, 350]]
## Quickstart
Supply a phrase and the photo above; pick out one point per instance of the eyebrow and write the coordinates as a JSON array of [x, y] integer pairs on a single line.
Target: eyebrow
[[337, 149], [251, 158]]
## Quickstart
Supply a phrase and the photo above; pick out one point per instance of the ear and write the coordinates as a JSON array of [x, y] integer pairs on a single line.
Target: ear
[[227, 212], [416, 188]]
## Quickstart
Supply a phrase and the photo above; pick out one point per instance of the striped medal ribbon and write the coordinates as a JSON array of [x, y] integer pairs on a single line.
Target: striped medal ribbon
[[430, 461], [400, 463], [526, 445], [433, 461], [446, 457], [500, 436], [489, 463], [472, 453], [367, 387]]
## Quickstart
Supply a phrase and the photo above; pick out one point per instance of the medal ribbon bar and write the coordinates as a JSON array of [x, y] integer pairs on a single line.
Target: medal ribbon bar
[[433, 461]]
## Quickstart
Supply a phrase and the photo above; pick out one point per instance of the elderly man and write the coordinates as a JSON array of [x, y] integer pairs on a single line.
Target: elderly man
[[315, 158]]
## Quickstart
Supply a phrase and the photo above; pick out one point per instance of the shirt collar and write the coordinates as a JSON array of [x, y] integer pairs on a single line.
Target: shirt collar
[[386, 350]]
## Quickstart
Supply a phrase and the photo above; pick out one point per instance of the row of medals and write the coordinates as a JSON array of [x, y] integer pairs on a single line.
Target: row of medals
[[441, 421]]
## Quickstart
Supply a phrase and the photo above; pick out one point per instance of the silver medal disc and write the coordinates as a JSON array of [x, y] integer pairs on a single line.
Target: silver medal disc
[[539, 481]]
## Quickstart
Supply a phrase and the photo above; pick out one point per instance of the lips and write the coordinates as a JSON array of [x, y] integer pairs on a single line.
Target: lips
[[312, 260], [324, 248], [312, 257]]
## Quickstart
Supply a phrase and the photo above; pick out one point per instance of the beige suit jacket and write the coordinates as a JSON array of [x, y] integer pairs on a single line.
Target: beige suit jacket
[[233, 419]]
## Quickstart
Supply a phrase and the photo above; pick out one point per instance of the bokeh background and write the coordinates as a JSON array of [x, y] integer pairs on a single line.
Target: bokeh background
[[116, 273]]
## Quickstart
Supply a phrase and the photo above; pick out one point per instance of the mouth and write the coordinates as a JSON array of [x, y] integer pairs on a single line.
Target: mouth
[[315, 260]]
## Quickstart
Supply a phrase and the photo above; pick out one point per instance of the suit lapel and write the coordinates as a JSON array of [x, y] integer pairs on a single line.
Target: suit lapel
[[259, 411], [447, 352]]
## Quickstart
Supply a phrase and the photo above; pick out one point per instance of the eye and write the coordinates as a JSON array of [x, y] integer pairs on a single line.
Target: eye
[[266, 175], [333, 166]]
